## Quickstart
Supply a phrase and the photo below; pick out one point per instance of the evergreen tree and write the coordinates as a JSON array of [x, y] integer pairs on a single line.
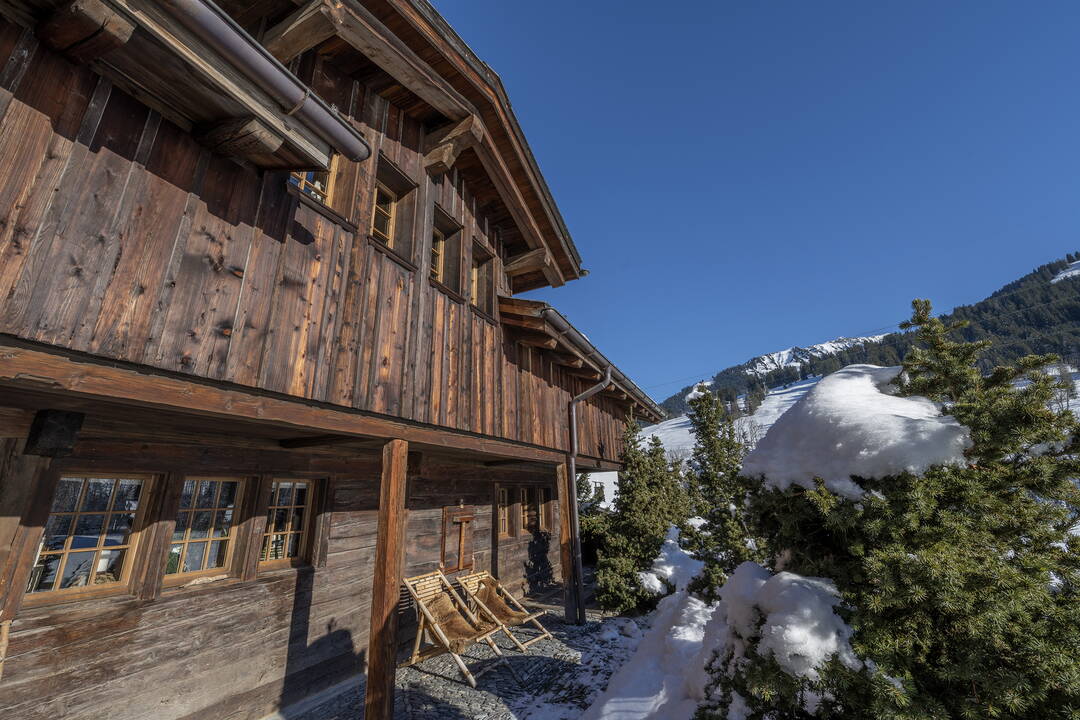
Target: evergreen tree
[[650, 499], [718, 494], [583, 487], [962, 584]]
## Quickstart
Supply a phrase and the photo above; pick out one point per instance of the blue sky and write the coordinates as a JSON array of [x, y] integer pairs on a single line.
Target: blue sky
[[744, 176]]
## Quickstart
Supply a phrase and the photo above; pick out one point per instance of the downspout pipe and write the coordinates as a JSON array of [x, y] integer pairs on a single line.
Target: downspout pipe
[[575, 592], [207, 21]]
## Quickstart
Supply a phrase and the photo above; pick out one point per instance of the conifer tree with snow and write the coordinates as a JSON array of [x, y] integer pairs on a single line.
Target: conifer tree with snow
[[718, 494], [651, 498], [958, 583]]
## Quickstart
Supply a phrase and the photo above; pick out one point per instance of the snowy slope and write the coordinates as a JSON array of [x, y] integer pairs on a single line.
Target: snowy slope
[[798, 356], [1071, 270], [678, 437]]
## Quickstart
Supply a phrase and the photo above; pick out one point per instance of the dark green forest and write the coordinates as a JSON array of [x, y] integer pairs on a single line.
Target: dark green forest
[[1029, 315]]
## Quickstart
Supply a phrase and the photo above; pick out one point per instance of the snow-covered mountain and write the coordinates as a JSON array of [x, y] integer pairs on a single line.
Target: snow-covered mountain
[[794, 357]]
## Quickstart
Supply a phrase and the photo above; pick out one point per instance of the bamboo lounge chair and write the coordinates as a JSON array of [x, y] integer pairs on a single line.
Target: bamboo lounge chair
[[497, 605], [446, 618]]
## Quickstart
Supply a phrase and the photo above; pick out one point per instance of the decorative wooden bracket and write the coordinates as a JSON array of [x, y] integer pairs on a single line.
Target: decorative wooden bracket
[[53, 433], [85, 29], [441, 149], [245, 137], [310, 25], [531, 261]]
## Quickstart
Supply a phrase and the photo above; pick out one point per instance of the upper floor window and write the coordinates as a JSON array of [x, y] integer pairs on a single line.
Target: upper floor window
[[314, 183], [288, 515], [546, 509], [504, 511], [382, 215], [204, 531], [438, 255], [89, 535], [446, 250], [482, 281]]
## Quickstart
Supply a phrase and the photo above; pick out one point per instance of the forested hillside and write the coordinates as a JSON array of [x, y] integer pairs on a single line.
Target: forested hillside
[[1039, 313]]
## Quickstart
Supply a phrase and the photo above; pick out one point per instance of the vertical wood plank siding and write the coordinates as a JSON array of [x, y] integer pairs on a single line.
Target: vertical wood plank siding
[[122, 237]]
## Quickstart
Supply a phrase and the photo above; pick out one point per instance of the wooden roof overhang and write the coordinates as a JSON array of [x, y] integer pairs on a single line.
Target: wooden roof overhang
[[530, 323], [144, 49], [123, 400], [414, 45]]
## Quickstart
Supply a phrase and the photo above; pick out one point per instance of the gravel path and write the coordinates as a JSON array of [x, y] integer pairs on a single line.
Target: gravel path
[[557, 679]]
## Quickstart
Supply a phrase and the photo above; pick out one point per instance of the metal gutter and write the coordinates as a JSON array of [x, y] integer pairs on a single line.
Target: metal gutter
[[219, 31], [563, 326]]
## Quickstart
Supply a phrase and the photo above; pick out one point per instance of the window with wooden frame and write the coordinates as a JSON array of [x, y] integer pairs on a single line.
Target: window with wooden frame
[[288, 517], [317, 184], [205, 531], [383, 209], [90, 534], [446, 251], [503, 503], [546, 509], [481, 280], [529, 517]]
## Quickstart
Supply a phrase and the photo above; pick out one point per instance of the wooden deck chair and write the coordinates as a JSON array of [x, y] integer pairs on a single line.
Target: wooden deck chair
[[495, 604], [451, 626]]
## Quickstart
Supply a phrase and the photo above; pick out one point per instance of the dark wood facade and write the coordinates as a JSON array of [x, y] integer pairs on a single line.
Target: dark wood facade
[[195, 314]]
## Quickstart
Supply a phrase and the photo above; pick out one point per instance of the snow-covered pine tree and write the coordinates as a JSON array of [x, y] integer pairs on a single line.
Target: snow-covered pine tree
[[718, 494], [650, 499], [960, 583]]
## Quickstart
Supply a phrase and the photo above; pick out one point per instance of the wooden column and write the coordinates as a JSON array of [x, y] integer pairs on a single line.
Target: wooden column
[[563, 490], [389, 553], [26, 490]]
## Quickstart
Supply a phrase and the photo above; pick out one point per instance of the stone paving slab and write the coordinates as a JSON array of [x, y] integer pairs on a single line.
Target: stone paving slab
[[557, 679]]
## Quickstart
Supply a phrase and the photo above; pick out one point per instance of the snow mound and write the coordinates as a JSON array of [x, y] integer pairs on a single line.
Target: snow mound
[[1071, 270], [801, 630], [674, 565], [850, 424]]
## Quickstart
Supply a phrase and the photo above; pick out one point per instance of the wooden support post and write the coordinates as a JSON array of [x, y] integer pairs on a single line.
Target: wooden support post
[[5, 633], [17, 554], [385, 591], [564, 485]]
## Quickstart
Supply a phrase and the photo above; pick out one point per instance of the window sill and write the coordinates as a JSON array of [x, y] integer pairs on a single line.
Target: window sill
[[322, 208], [483, 314], [60, 597], [445, 290], [391, 253]]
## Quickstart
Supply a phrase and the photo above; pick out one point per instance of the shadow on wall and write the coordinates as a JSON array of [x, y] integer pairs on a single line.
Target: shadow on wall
[[538, 572], [329, 659]]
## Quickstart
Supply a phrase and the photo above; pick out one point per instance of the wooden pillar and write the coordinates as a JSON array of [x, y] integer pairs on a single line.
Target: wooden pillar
[[26, 490], [389, 554], [564, 487]]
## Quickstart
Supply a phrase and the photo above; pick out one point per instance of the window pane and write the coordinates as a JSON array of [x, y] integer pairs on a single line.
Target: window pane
[[185, 496], [222, 523], [294, 545], [172, 565], [193, 561], [276, 547], [297, 519], [200, 525], [98, 494], [265, 548], [281, 517], [382, 223], [285, 494], [127, 495], [110, 566], [182, 520], [77, 569], [218, 551], [383, 201], [301, 494], [67, 494], [207, 490], [56, 532], [120, 529], [228, 494], [43, 574], [87, 531]]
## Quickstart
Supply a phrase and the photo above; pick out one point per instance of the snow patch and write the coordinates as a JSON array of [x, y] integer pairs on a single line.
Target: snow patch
[[674, 566], [1071, 270], [794, 357], [850, 424]]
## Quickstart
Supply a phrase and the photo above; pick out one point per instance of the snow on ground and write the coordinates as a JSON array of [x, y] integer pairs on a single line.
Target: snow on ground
[[1071, 270], [678, 438], [851, 423]]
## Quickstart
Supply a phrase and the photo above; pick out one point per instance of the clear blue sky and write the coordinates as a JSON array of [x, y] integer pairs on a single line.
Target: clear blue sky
[[745, 176]]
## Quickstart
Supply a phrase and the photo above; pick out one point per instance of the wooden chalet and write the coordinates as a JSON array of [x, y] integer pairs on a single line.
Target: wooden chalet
[[260, 350]]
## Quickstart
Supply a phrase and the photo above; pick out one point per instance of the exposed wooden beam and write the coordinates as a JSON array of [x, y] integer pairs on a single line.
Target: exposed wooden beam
[[527, 262], [567, 360], [53, 433], [527, 323], [386, 583], [586, 372], [317, 441], [533, 339], [248, 138], [441, 148], [310, 25], [85, 29], [60, 376]]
